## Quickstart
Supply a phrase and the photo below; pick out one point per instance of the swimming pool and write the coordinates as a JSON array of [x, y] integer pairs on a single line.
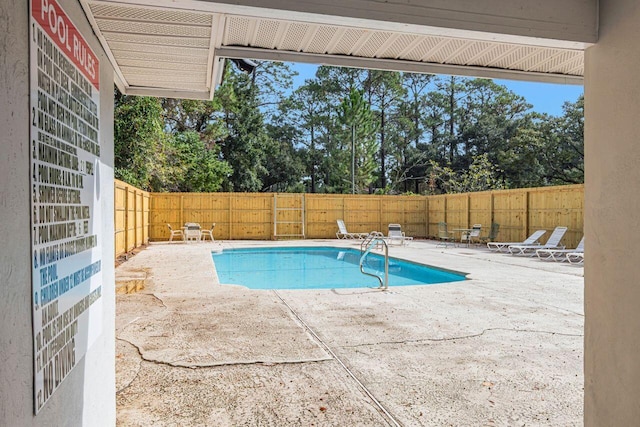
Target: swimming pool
[[318, 268]]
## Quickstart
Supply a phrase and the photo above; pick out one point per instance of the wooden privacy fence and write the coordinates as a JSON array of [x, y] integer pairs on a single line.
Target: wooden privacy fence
[[131, 217], [251, 215]]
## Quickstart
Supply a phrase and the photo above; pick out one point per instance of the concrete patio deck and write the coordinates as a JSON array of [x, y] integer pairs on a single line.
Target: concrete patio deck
[[504, 348]]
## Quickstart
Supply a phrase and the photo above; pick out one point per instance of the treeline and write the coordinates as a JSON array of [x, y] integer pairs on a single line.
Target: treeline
[[346, 130]]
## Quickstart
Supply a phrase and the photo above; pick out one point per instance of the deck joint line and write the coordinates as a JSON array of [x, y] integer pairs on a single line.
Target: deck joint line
[[324, 345]]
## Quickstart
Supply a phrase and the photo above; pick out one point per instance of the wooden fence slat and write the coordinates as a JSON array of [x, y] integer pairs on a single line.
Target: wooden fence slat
[[131, 217]]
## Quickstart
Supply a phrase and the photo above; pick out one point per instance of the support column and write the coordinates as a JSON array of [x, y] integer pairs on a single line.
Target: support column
[[612, 218]]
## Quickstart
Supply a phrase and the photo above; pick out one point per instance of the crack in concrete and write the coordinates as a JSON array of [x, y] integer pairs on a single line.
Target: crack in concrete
[[174, 364], [159, 299], [462, 337], [135, 377]]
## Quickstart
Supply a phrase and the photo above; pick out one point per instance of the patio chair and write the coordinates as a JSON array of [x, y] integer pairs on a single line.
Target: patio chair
[[493, 233], [205, 233], [444, 235], [192, 231], [552, 243], [471, 235], [499, 246], [342, 232], [560, 254], [397, 235], [175, 233]]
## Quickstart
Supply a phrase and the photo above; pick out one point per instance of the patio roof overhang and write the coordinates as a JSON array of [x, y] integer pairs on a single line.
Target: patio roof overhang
[[176, 48]]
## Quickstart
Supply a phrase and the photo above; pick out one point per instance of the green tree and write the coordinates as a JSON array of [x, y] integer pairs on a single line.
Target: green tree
[[309, 111], [196, 167], [563, 156], [385, 94], [139, 140], [285, 162], [481, 175], [358, 132]]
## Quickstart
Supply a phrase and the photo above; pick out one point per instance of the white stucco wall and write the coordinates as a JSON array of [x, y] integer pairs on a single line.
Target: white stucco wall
[[612, 216], [87, 395]]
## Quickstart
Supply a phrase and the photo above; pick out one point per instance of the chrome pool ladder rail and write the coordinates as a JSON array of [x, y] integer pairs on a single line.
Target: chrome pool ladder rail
[[367, 240], [374, 239]]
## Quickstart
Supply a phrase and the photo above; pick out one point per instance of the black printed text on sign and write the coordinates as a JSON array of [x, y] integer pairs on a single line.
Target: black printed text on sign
[[65, 207]]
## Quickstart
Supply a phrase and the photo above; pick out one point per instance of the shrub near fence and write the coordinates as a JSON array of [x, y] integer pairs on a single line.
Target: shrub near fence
[[131, 217], [251, 215]]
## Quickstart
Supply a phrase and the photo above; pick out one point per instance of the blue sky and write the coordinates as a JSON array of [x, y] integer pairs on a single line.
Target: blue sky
[[545, 97]]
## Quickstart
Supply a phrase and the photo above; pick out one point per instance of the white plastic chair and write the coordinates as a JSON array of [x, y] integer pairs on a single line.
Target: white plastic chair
[[444, 234], [397, 235], [175, 233], [205, 233]]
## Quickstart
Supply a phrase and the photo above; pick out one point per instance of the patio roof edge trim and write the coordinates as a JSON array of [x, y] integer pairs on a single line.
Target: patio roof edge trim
[[396, 65]]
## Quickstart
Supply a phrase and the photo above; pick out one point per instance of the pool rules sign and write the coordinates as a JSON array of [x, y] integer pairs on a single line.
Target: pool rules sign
[[65, 191]]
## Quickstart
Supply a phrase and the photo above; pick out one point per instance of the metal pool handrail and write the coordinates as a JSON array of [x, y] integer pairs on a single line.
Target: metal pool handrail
[[374, 239]]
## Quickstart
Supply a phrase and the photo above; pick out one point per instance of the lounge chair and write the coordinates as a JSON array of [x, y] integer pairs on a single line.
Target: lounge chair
[[493, 233], [175, 233], [444, 235], [397, 235], [205, 233], [552, 243], [575, 257], [344, 234], [559, 254], [499, 246], [472, 234]]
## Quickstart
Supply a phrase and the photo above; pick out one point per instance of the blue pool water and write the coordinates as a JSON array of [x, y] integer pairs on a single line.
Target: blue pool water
[[318, 268]]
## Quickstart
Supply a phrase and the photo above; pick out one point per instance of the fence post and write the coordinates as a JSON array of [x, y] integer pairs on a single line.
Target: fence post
[[468, 209], [526, 214], [126, 218], [444, 208], [181, 211], [426, 215], [230, 215], [491, 207], [380, 212], [343, 208], [274, 225]]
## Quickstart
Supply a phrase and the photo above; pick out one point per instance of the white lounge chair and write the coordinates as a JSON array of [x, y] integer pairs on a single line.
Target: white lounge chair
[[559, 254], [552, 243], [174, 233], [344, 234], [575, 257], [499, 246], [397, 235]]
